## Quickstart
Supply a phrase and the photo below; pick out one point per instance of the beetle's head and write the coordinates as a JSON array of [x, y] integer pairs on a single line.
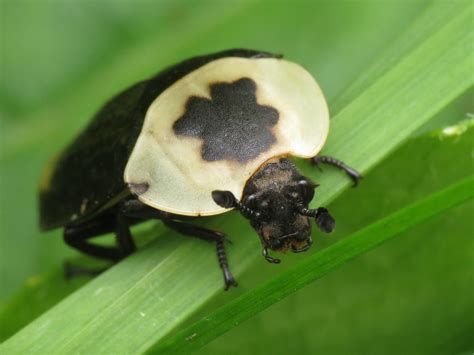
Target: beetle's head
[[277, 220], [279, 212]]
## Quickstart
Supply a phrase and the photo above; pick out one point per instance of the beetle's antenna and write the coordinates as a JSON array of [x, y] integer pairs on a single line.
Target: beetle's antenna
[[306, 211], [227, 199], [324, 220]]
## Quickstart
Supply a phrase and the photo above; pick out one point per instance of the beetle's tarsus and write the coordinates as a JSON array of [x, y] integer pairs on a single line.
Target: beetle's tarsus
[[352, 173], [229, 279], [212, 236], [71, 271], [222, 257]]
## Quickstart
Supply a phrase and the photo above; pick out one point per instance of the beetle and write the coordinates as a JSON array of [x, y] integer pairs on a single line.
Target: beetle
[[207, 135]]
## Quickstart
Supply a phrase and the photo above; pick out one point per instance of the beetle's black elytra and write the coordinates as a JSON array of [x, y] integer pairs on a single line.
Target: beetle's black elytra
[[232, 125]]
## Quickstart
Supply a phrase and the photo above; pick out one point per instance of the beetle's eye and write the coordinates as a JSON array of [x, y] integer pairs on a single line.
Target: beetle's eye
[[307, 190], [250, 201], [293, 193]]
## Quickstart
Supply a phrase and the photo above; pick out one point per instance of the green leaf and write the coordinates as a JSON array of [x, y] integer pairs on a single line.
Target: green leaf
[[427, 23], [38, 295], [134, 304], [372, 304], [312, 268], [120, 43]]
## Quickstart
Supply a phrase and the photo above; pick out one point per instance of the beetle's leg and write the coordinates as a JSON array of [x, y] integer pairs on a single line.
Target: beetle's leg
[[352, 173], [209, 235], [125, 243], [138, 210], [77, 236]]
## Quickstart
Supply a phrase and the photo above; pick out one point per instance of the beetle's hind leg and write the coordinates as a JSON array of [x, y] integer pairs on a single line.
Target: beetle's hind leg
[[352, 173], [209, 235], [77, 236]]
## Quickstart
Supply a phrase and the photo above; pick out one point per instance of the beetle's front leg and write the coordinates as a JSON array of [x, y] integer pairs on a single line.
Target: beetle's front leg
[[209, 235], [138, 210], [352, 173]]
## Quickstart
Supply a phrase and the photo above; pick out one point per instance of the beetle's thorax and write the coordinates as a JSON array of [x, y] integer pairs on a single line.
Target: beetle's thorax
[[274, 192], [274, 174]]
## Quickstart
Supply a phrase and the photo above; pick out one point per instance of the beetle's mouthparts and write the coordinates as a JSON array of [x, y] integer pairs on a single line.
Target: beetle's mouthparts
[[286, 236], [309, 242], [291, 241]]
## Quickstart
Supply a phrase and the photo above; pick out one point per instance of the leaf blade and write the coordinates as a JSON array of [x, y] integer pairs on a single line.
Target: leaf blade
[[135, 286], [314, 267]]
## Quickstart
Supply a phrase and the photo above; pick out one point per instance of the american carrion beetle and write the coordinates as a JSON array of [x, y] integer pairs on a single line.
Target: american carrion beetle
[[207, 135]]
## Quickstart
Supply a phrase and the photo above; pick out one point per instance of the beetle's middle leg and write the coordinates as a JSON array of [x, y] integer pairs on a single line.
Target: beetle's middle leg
[[209, 235], [77, 236]]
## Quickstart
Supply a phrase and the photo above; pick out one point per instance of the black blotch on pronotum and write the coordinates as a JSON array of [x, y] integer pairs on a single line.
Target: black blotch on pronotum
[[232, 124]]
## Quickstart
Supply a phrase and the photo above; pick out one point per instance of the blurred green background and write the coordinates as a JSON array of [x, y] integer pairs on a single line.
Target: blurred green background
[[60, 60]]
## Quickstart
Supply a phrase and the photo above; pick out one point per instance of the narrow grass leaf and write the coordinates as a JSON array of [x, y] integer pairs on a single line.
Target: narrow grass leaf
[[376, 290], [142, 299], [433, 17], [312, 268]]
